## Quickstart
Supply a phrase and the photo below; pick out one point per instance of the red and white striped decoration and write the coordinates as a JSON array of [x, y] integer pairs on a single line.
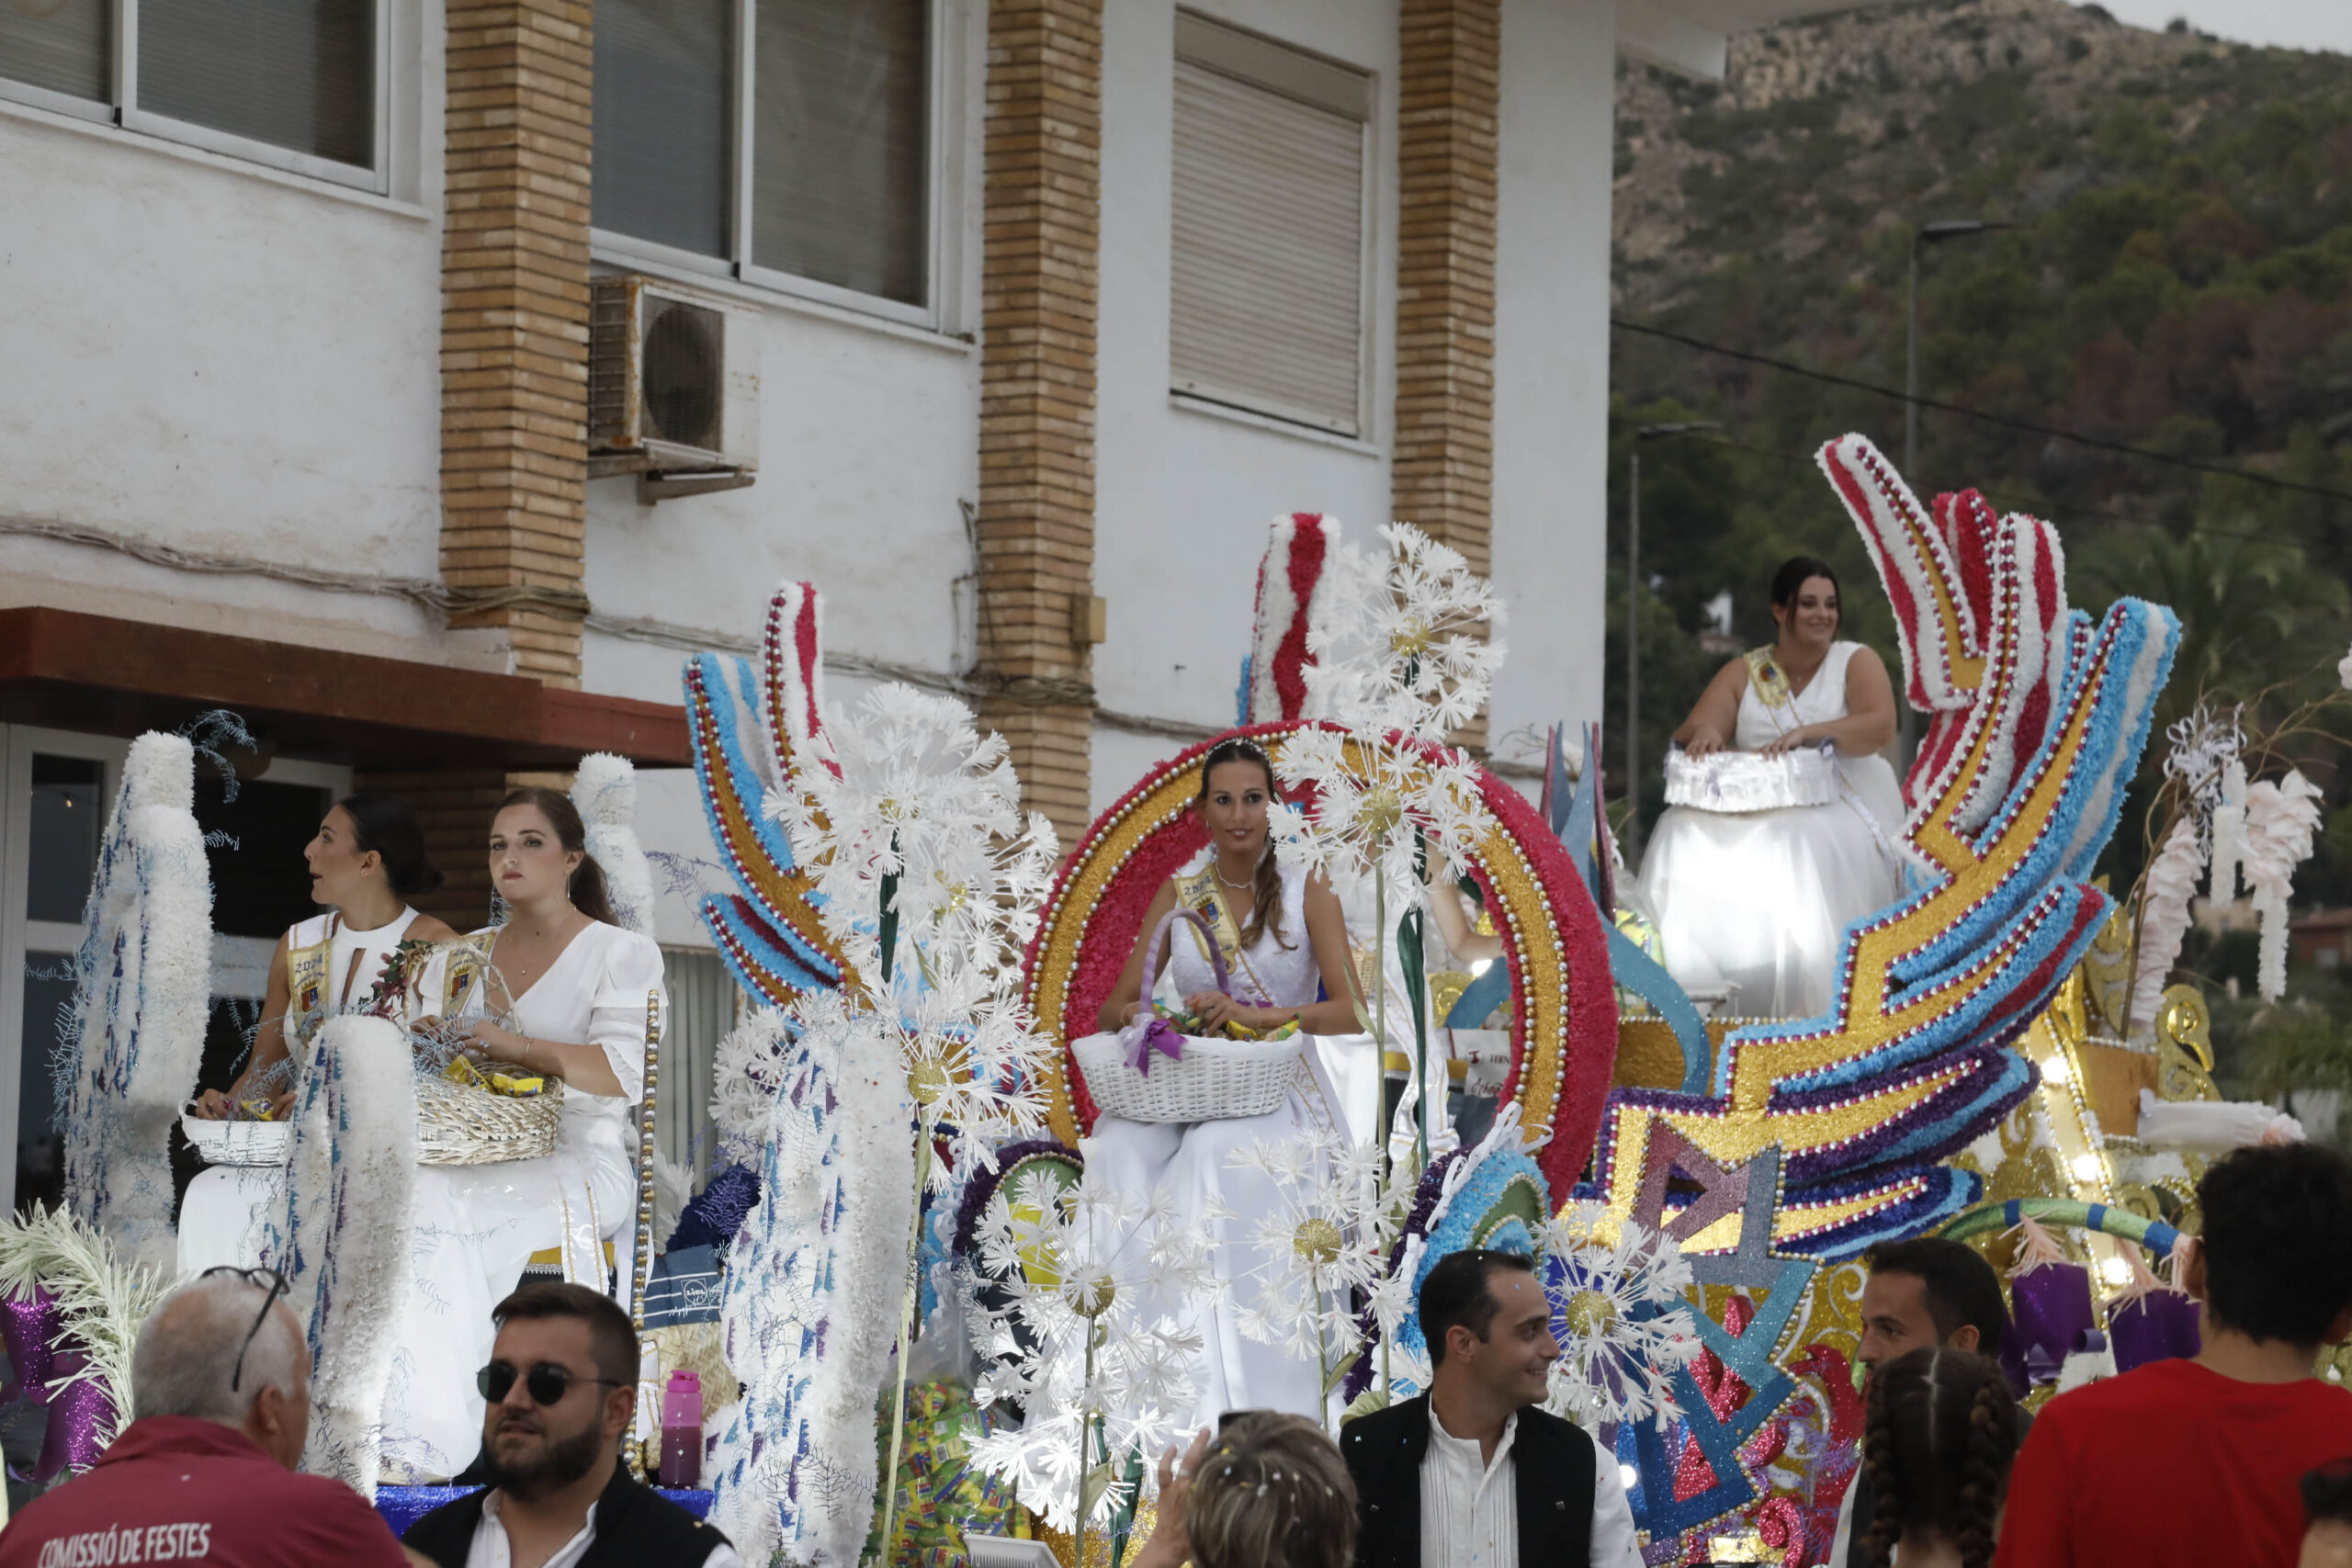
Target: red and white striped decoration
[[1288, 580]]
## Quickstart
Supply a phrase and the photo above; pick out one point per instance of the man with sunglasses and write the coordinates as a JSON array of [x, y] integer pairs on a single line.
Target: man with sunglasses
[[561, 1390], [219, 1382]]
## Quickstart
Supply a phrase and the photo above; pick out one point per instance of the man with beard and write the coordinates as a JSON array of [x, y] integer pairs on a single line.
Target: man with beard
[[561, 1387]]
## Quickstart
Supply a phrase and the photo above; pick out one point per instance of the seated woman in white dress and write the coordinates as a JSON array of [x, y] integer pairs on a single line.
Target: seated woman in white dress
[[565, 995], [366, 861], [1284, 939], [1762, 898]]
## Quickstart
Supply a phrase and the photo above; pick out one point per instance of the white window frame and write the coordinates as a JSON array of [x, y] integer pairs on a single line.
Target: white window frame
[[123, 111], [1361, 430], [234, 957], [946, 25]]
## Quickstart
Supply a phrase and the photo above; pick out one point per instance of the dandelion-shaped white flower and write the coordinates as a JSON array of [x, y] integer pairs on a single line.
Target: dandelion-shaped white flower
[[1319, 1242], [975, 1066], [1404, 639], [1090, 1340], [1620, 1315], [905, 797]]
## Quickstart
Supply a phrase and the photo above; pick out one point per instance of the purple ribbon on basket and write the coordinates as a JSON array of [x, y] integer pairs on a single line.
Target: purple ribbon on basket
[[1144, 1036], [28, 1328]]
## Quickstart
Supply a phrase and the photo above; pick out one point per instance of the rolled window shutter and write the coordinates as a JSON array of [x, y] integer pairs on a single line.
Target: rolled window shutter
[[1266, 310], [295, 73], [702, 1009]]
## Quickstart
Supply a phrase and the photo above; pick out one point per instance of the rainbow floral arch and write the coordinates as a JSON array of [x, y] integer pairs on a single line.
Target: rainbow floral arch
[[1564, 1018]]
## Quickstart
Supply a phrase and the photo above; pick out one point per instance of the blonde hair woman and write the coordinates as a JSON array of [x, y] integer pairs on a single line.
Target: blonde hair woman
[[1269, 1491]]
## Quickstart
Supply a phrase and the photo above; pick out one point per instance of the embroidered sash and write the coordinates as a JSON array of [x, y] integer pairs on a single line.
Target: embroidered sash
[[1199, 894], [1764, 674]]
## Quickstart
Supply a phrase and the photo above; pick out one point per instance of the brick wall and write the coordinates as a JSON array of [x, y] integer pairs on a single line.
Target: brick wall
[[1448, 105], [1042, 162], [514, 326], [454, 807]]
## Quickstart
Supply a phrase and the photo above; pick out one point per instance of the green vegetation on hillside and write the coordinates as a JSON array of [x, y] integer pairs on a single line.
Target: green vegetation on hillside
[[2178, 279]]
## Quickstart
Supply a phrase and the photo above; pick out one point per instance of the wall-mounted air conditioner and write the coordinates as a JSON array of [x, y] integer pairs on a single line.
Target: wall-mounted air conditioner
[[673, 388]]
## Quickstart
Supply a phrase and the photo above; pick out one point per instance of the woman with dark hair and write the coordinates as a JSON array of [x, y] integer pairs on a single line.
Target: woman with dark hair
[[1754, 880], [565, 994], [1282, 940], [366, 861], [366, 955], [1939, 1435]]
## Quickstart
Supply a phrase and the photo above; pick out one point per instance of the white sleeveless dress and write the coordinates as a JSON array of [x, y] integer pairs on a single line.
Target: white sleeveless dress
[[219, 1215], [1762, 898], [1235, 1373]]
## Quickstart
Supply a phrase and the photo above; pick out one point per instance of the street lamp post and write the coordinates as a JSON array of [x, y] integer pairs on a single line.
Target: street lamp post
[[1634, 626]]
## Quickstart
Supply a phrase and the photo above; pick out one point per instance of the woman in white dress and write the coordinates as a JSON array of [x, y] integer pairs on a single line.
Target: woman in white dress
[[1762, 898], [1284, 939], [365, 954], [566, 995]]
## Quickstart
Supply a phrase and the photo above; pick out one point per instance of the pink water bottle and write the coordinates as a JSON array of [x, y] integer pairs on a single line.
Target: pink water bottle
[[682, 1430]]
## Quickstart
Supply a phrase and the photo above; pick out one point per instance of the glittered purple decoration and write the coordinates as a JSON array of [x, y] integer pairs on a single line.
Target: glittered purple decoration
[[2153, 1326], [27, 1326], [2052, 1308], [75, 1414]]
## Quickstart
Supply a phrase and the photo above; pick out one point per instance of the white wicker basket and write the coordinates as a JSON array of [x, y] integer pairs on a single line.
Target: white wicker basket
[[1745, 781], [239, 1143], [1216, 1078], [460, 1123]]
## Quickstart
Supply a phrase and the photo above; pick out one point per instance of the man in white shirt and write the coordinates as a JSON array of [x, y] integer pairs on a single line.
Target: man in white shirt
[[561, 1387], [1472, 1475]]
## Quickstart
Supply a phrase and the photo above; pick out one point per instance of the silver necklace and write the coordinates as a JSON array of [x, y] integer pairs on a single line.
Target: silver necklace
[[1235, 887]]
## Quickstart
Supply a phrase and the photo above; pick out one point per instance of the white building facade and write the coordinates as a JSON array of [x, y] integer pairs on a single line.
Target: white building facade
[[1025, 308]]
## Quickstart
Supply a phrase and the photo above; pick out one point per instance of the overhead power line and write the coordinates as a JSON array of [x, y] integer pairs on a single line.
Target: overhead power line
[[2024, 426]]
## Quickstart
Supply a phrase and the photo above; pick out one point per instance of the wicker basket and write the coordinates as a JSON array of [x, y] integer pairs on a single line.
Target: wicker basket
[[1216, 1078], [459, 1124], [239, 1143]]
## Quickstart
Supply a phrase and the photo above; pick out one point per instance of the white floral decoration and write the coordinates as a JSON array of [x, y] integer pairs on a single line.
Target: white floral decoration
[[1322, 1241], [1615, 1366], [905, 790], [2343, 671], [2281, 820], [2163, 920], [1377, 806], [1403, 640], [747, 1068], [1093, 1337], [604, 790]]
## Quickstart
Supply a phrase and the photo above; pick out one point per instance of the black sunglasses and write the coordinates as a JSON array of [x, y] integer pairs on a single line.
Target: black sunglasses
[[546, 1383], [269, 1279]]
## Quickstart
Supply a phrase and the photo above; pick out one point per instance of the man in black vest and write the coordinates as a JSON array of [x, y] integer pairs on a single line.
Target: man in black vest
[[1472, 1475], [562, 1388]]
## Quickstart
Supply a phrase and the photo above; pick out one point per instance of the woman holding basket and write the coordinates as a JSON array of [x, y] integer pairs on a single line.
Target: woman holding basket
[[1277, 940], [562, 992]]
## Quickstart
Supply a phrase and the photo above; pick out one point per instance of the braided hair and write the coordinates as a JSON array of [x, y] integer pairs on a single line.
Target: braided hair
[[1266, 881], [1940, 1433]]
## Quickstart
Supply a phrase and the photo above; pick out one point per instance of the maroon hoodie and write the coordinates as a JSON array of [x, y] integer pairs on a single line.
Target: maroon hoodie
[[177, 1489]]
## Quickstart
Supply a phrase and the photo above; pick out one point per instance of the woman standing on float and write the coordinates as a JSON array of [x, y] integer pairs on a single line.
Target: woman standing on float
[[1284, 942], [565, 994], [365, 954], [1764, 898]]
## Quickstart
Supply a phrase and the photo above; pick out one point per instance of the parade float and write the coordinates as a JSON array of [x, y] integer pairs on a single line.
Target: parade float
[[895, 1291]]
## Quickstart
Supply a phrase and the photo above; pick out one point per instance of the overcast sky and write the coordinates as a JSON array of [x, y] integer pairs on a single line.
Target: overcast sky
[[2294, 24]]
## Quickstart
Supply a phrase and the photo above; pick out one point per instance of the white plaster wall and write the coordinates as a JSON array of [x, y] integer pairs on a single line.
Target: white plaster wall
[[1552, 363], [199, 352], [1183, 497]]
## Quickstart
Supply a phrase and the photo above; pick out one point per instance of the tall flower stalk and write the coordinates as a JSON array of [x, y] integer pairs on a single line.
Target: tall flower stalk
[[931, 882]]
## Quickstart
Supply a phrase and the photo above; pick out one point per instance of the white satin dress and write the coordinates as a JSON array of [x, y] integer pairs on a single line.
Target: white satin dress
[[1235, 1373], [1763, 898]]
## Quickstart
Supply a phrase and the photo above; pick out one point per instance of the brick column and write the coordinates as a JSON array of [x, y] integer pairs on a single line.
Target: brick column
[[454, 807], [515, 326], [1448, 109], [1042, 161]]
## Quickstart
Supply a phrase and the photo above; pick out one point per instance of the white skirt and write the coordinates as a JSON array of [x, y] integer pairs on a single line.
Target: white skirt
[[1762, 899]]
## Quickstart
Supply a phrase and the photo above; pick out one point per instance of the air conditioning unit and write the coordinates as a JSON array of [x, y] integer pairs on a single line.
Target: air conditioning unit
[[673, 388]]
